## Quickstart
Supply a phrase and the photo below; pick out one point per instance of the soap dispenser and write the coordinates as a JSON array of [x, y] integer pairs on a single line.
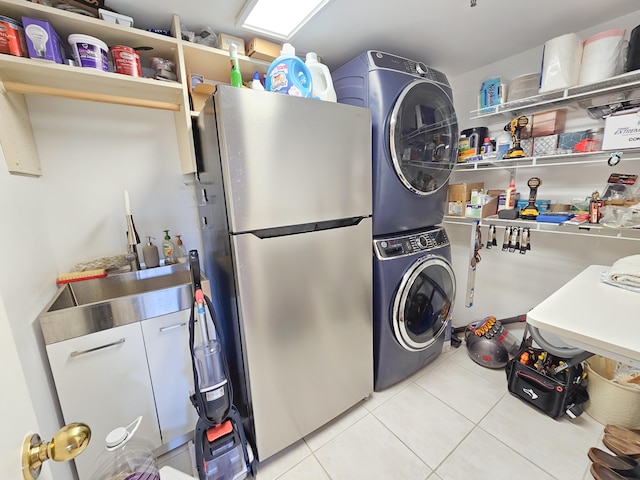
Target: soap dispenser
[[150, 254], [181, 252], [167, 249]]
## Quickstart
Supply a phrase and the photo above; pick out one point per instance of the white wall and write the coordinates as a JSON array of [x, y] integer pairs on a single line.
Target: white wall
[[509, 284], [90, 153]]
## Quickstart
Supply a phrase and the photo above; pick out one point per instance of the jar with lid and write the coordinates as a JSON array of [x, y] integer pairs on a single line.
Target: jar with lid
[[126, 457]]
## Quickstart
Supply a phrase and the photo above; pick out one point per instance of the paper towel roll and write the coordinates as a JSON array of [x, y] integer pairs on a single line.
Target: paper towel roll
[[560, 63], [602, 56], [633, 52]]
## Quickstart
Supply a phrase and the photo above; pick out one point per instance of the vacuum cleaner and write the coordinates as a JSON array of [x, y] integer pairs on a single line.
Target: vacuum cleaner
[[221, 448]]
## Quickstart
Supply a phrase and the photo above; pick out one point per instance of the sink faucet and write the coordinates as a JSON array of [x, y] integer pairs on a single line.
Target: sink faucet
[[132, 245], [133, 239]]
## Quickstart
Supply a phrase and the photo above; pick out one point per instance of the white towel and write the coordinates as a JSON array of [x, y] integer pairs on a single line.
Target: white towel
[[625, 272]]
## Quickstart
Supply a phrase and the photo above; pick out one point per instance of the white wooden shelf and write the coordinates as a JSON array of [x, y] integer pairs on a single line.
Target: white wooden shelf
[[24, 76], [548, 160], [586, 229], [567, 97]]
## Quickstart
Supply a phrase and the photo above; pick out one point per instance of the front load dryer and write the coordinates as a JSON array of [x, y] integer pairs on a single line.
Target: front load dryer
[[414, 135], [413, 289]]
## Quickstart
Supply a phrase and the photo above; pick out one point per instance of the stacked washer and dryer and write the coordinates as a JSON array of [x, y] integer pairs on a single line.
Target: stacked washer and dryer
[[415, 139]]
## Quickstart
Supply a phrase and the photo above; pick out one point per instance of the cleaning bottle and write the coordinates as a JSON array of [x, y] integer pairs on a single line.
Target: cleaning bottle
[[236, 76], [181, 252], [288, 74], [167, 249], [510, 197], [150, 254], [320, 79], [503, 143], [256, 84], [487, 146]]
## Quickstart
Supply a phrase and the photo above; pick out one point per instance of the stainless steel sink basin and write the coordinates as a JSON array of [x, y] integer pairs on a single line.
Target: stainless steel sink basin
[[88, 306]]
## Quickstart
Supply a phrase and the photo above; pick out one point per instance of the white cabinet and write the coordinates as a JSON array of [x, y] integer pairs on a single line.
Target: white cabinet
[[102, 380], [166, 340]]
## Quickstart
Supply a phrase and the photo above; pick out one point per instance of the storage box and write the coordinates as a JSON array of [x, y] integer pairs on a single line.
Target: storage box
[[225, 40], [527, 146], [543, 205], [622, 131], [42, 41], [117, 18], [568, 140], [548, 123], [263, 49], [546, 145], [460, 195], [486, 210]]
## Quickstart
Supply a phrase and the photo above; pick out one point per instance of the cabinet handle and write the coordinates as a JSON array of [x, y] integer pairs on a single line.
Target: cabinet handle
[[75, 353], [177, 325]]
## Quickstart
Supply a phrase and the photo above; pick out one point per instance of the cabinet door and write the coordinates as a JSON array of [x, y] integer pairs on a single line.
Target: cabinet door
[[103, 380], [167, 342]]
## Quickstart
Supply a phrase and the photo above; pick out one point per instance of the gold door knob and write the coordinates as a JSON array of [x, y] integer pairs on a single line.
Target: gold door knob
[[66, 444]]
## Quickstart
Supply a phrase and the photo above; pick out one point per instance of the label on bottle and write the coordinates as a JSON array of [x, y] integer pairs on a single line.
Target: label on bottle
[[167, 249]]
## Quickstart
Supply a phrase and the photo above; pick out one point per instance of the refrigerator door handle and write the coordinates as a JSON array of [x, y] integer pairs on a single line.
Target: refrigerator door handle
[[306, 227]]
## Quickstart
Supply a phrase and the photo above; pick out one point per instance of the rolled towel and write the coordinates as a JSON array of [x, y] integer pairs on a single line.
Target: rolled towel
[[625, 272]]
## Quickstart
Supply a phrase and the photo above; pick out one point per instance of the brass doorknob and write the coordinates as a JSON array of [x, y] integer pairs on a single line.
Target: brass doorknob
[[66, 444]]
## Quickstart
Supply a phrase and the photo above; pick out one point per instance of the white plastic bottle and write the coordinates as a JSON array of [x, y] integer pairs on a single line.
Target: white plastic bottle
[[256, 84], [321, 79]]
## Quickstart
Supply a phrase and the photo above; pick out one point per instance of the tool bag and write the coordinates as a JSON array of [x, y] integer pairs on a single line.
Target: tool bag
[[550, 383]]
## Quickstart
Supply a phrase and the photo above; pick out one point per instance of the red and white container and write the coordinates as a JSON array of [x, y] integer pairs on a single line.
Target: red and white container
[[126, 61], [12, 39]]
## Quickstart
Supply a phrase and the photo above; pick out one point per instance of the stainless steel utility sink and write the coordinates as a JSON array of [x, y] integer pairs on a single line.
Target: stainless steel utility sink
[[88, 306]]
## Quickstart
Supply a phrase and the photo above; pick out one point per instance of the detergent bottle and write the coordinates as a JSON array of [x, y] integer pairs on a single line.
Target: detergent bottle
[[288, 74], [321, 79]]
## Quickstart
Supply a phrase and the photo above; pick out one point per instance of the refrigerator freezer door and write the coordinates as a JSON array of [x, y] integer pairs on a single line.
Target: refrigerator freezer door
[[289, 160], [305, 310]]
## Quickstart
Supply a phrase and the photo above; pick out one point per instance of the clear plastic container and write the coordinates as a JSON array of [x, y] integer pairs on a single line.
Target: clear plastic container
[[126, 457]]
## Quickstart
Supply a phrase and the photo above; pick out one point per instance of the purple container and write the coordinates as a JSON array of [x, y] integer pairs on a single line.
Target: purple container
[[89, 52]]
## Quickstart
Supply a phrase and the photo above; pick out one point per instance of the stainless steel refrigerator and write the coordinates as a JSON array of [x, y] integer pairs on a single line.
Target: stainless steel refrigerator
[[284, 193]]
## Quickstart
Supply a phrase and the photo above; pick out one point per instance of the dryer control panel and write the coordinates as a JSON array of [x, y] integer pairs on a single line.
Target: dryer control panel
[[400, 64], [411, 243]]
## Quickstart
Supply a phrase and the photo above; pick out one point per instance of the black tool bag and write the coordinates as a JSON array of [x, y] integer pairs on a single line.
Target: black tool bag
[[552, 384]]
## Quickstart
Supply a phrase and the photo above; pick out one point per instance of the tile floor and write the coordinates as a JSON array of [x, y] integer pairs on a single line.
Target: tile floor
[[453, 420]]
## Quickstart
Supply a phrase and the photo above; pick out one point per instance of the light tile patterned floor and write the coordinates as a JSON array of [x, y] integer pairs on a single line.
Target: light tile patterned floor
[[453, 420]]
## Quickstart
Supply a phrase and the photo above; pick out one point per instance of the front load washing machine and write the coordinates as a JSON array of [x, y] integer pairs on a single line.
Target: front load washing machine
[[413, 289], [414, 135]]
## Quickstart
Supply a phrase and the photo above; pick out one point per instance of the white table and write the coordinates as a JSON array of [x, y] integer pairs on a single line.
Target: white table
[[170, 473], [594, 316]]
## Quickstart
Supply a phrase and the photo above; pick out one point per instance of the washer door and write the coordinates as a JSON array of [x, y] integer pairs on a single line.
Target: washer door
[[423, 302], [423, 137]]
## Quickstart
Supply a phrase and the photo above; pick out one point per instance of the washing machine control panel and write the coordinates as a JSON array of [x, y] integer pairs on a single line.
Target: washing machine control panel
[[400, 64], [411, 243]]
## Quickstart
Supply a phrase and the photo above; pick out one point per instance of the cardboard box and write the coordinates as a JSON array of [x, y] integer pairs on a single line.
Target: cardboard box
[[460, 195], [548, 123], [622, 131], [225, 40], [42, 41], [263, 49], [486, 210]]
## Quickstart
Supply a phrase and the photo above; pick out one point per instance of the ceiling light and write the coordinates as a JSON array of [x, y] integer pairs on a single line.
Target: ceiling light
[[278, 18]]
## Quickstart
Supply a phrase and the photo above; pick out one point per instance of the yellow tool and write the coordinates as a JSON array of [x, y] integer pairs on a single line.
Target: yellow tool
[[514, 127], [530, 212]]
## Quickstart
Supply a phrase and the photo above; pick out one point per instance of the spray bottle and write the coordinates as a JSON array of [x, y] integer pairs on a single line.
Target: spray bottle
[[236, 75]]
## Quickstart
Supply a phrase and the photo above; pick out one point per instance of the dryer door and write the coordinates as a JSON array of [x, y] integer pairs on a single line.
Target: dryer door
[[423, 137], [423, 302]]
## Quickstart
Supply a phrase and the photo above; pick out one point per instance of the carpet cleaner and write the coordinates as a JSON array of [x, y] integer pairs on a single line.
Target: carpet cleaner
[[221, 447]]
